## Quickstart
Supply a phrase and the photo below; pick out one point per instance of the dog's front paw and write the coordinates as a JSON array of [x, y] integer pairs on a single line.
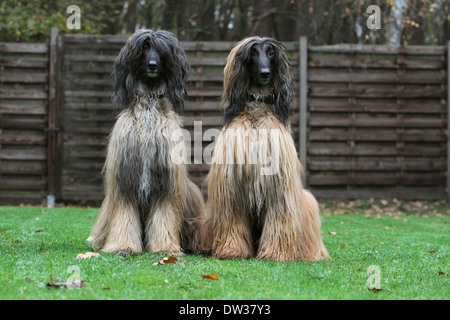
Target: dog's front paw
[[121, 251], [124, 252], [177, 253]]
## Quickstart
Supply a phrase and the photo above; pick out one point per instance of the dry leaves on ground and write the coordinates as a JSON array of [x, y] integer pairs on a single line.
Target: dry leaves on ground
[[213, 276], [166, 260], [87, 255], [392, 207]]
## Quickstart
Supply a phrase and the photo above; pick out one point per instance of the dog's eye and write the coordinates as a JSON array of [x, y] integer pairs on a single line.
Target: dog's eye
[[145, 45], [270, 52]]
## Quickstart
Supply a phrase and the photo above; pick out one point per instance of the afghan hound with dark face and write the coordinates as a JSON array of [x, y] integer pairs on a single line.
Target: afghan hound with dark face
[[150, 202], [256, 203]]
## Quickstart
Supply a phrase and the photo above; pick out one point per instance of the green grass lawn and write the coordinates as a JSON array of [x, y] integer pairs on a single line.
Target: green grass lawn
[[38, 245]]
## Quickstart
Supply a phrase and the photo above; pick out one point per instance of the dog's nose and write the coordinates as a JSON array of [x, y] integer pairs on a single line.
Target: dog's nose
[[265, 73], [153, 65]]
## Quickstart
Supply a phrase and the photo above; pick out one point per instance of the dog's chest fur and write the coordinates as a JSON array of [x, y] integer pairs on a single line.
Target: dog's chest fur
[[144, 168], [258, 153]]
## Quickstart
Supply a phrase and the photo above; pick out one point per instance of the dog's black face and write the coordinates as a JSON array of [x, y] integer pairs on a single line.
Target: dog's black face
[[151, 66], [151, 61], [261, 64], [155, 59]]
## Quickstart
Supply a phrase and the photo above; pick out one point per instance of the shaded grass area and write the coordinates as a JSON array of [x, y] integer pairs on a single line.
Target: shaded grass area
[[38, 245]]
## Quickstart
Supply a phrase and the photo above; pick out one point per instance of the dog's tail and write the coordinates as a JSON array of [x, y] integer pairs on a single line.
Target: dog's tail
[[312, 244], [193, 219]]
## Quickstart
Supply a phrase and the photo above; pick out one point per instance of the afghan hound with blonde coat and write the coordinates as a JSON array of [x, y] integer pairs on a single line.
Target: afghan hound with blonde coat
[[256, 203], [150, 204]]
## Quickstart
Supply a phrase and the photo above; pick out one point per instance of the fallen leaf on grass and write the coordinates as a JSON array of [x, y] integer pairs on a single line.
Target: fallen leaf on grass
[[67, 284], [87, 255], [432, 251], [343, 245], [37, 231], [441, 273], [166, 260], [213, 276], [373, 289]]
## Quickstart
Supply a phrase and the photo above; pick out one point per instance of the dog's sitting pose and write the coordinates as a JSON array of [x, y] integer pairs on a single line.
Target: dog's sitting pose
[[150, 202], [256, 203]]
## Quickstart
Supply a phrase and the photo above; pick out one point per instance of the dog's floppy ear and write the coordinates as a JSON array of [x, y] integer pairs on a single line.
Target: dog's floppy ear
[[124, 81], [177, 67], [282, 82], [236, 79]]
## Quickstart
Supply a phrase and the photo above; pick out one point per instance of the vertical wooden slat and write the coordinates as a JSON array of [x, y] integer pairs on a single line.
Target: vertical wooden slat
[[52, 105], [400, 130], [303, 81], [448, 119]]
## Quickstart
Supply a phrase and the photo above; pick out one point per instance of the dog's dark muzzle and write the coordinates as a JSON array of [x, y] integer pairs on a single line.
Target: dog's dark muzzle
[[265, 74], [152, 68]]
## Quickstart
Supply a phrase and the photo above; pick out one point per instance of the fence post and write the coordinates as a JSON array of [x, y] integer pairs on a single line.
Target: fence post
[[448, 120], [53, 123], [303, 72]]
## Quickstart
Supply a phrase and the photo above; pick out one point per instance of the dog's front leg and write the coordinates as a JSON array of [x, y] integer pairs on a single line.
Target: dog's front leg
[[232, 237], [124, 229], [163, 226], [281, 233]]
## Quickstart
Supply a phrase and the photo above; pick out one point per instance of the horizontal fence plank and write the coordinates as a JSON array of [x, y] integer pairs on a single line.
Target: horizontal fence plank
[[377, 92], [24, 63], [412, 78], [374, 150], [23, 94], [23, 108], [320, 121], [379, 49], [373, 62], [23, 138], [23, 47], [23, 168], [377, 106], [19, 154], [376, 164], [27, 197], [25, 78], [25, 125], [15, 184], [376, 135], [421, 179]]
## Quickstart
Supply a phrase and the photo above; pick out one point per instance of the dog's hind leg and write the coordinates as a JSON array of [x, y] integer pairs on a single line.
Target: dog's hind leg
[[163, 227], [100, 230], [193, 219], [124, 229], [311, 246]]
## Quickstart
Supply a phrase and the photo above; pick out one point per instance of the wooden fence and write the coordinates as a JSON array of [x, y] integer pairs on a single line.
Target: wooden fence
[[377, 121], [368, 120], [24, 92]]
